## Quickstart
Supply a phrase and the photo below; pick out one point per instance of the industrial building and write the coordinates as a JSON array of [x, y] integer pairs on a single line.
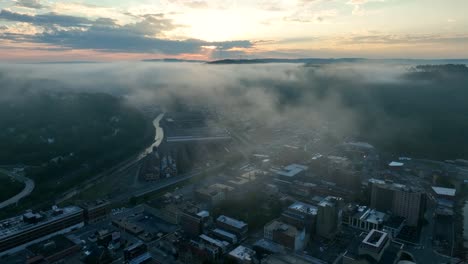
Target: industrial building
[[18, 232]]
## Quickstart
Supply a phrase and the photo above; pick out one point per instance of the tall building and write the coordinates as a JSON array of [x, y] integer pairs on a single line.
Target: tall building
[[193, 223], [329, 216], [399, 199], [18, 232], [286, 235], [301, 215]]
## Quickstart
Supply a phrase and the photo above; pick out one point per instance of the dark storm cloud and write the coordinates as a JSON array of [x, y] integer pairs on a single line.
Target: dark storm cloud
[[104, 34]]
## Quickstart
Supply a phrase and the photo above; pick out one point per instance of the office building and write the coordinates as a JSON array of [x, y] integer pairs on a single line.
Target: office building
[[96, 211], [301, 215], [374, 247], [286, 235], [399, 199], [329, 216], [363, 217], [193, 223], [20, 231]]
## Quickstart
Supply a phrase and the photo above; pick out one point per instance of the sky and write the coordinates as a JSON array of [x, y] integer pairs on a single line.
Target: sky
[[126, 30]]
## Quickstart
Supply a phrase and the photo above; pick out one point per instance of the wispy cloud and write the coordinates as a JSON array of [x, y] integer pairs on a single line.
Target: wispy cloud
[[33, 4]]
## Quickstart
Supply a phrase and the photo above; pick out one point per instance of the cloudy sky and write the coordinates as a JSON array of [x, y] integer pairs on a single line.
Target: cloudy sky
[[43, 30]]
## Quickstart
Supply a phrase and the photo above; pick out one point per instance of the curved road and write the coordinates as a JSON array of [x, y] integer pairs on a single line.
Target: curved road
[[28, 188]]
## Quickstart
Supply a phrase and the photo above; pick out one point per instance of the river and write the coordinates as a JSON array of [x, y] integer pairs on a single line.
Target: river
[[158, 137]]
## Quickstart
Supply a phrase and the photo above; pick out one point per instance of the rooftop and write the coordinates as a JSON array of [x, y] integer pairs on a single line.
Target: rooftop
[[375, 238], [17, 224], [290, 170], [444, 191], [269, 246], [396, 164], [304, 208], [283, 227], [395, 186], [329, 201], [372, 216], [224, 233], [213, 241], [231, 221], [242, 253]]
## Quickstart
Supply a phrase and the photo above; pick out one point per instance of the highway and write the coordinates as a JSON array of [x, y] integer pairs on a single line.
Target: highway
[[165, 183], [28, 188]]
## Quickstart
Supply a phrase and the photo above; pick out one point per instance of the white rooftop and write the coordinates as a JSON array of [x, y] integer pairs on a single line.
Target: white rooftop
[[375, 238], [396, 164], [444, 191], [242, 253]]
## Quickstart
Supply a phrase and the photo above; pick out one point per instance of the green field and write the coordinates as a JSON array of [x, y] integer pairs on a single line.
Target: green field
[[8, 187]]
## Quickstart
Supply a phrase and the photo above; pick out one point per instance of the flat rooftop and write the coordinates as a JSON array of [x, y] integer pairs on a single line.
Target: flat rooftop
[[213, 241], [283, 227], [224, 233], [394, 186], [375, 238], [231, 221], [444, 191], [304, 208], [15, 225], [329, 201], [396, 164], [290, 170], [242, 253]]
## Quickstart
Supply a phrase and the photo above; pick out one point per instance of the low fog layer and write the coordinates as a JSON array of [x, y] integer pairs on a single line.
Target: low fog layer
[[401, 109]]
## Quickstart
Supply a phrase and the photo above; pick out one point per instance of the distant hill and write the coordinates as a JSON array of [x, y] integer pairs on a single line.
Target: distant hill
[[173, 60], [315, 61]]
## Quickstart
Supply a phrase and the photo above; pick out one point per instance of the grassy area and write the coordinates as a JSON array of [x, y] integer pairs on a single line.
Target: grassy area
[[9, 187]]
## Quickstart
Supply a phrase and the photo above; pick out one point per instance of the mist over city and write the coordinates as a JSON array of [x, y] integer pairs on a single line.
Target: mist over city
[[248, 132]]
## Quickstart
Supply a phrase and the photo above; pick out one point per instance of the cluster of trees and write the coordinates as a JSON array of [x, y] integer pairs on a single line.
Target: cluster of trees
[[66, 138]]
